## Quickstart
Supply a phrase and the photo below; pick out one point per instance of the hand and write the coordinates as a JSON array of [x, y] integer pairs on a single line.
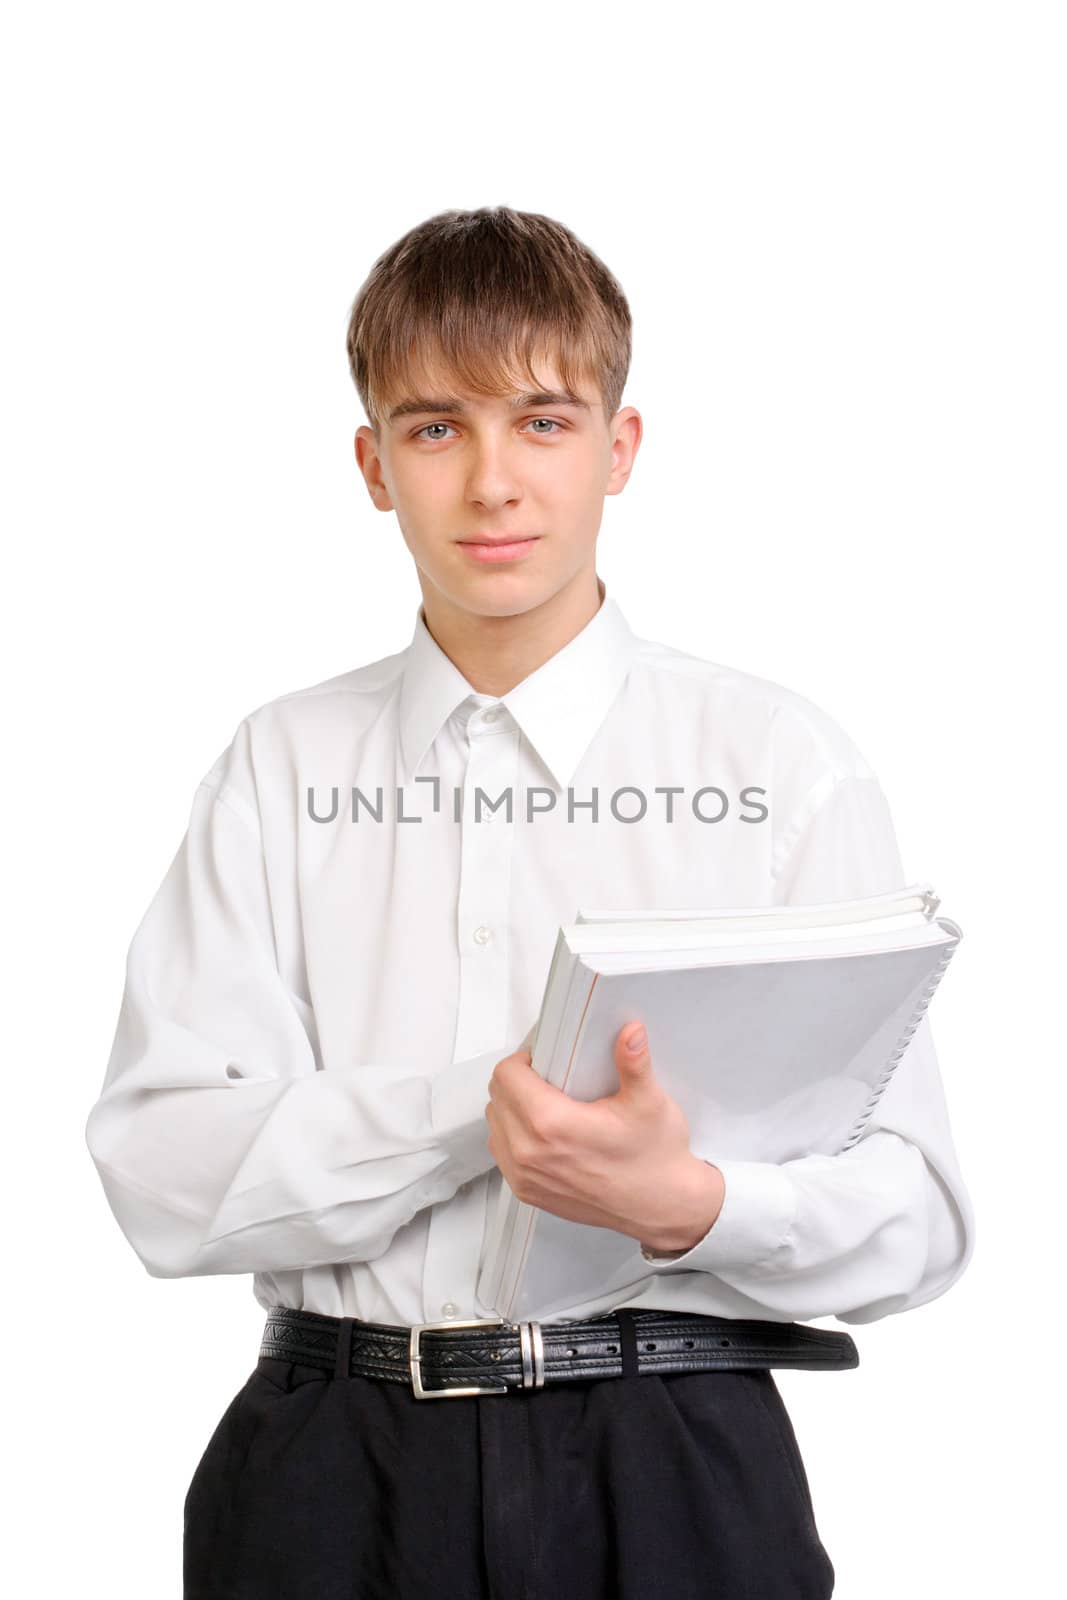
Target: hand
[[621, 1162]]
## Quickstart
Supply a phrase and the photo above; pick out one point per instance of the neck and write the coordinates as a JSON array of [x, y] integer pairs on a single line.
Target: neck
[[496, 653]]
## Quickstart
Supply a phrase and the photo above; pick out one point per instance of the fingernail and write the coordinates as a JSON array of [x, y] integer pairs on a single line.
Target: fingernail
[[637, 1041]]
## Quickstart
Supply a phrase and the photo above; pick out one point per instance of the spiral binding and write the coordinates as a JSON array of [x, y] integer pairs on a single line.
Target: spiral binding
[[919, 1013]]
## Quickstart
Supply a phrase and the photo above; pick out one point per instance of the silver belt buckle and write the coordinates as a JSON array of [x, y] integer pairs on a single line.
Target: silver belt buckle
[[414, 1358], [533, 1375]]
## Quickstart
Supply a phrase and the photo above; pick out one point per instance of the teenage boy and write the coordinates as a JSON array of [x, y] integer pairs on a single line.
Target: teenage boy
[[311, 1079]]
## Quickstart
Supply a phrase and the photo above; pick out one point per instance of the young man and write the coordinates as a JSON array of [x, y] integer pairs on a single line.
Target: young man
[[319, 1071]]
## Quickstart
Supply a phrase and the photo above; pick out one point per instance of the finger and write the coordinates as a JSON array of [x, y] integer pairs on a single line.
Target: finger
[[632, 1038]]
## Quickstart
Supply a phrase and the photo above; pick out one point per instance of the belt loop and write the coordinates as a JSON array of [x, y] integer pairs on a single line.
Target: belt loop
[[628, 1340], [343, 1364]]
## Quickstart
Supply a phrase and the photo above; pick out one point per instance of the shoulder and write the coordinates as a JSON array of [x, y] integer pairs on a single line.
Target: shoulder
[[799, 732], [313, 716]]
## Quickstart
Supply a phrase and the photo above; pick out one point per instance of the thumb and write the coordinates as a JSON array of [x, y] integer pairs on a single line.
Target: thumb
[[634, 1066]]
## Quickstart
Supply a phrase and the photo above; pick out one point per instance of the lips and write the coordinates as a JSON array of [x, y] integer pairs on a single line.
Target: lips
[[498, 550], [511, 538]]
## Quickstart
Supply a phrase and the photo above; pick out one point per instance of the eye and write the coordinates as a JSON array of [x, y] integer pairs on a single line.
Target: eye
[[423, 432]]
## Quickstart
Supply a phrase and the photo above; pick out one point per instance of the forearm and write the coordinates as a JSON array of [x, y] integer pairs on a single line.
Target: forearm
[[224, 1140], [276, 1174], [857, 1235]]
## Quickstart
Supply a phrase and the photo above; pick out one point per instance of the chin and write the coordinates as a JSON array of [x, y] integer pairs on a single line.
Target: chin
[[520, 598], [498, 594]]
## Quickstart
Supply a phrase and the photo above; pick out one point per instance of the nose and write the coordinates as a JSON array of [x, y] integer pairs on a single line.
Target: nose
[[492, 479]]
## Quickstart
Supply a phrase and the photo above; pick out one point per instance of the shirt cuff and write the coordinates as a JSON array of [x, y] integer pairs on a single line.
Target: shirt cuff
[[753, 1225], [458, 1097]]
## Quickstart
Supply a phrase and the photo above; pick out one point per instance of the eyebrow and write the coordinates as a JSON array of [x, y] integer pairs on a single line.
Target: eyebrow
[[546, 397]]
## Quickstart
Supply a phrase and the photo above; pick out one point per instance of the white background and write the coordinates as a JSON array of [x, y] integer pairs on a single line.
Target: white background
[[840, 230]]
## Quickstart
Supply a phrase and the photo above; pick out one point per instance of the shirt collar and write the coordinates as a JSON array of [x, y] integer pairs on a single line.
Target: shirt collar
[[559, 706]]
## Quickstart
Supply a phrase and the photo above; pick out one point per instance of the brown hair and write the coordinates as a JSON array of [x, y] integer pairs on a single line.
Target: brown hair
[[483, 294]]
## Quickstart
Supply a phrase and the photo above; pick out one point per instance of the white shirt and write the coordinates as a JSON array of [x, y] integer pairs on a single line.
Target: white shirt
[[314, 1004]]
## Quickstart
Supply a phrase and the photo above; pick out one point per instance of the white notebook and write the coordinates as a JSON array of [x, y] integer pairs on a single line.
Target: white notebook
[[776, 1029]]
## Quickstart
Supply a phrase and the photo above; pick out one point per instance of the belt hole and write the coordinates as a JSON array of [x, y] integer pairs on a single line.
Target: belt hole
[[724, 1343], [612, 1349], [689, 1344], [572, 1352], [650, 1347]]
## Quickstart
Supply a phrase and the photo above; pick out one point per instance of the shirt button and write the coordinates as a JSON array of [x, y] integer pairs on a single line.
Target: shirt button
[[493, 713], [483, 934], [448, 1309]]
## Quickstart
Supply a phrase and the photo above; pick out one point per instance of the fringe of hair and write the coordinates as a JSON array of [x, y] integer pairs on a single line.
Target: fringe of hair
[[484, 296]]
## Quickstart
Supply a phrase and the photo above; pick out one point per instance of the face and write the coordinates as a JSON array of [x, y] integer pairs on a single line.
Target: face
[[529, 469]]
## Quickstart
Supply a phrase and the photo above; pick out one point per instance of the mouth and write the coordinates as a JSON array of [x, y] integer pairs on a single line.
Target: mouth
[[498, 549]]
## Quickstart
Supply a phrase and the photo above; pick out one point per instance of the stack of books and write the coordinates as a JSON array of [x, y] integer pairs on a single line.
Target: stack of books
[[777, 1030]]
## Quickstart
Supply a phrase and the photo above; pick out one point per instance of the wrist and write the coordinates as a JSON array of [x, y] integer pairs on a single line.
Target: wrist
[[700, 1200]]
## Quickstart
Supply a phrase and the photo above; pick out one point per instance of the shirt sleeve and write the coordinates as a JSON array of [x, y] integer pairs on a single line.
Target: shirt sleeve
[[221, 1143], [888, 1224]]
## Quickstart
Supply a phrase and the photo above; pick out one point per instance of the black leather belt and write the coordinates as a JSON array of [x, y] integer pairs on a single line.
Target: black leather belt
[[447, 1360]]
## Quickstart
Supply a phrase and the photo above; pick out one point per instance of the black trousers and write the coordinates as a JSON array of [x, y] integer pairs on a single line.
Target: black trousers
[[688, 1486]]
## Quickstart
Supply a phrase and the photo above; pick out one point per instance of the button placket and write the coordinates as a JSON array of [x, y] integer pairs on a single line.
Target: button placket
[[484, 886], [455, 1231]]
